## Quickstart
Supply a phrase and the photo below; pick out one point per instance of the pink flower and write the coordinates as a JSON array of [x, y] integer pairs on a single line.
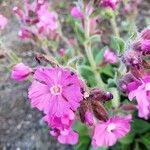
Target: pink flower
[[145, 45], [145, 34], [62, 122], [76, 12], [3, 22], [20, 72], [107, 133], [110, 57], [47, 20], [61, 127], [55, 91], [109, 3], [141, 91], [66, 136]]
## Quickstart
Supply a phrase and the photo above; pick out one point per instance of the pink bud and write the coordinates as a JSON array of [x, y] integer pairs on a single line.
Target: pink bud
[[110, 57], [20, 72], [3, 22], [62, 52], [24, 34], [128, 107], [18, 12], [109, 3], [76, 12]]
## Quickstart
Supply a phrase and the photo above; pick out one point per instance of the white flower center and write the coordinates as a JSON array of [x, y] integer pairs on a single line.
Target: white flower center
[[111, 127], [56, 90]]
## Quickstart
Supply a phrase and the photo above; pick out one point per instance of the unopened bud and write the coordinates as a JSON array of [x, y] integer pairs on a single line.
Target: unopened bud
[[99, 111], [18, 12], [128, 107], [100, 95]]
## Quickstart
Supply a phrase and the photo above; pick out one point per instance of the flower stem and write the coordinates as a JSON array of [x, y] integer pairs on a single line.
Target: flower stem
[[114, 26], [93, 66], [88, 50]]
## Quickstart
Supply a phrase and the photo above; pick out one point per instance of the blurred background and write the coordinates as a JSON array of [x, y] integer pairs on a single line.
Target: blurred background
[[21, 127]]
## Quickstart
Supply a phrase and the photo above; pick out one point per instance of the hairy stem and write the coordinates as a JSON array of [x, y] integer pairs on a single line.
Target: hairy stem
[[88, 50], [114, 26]]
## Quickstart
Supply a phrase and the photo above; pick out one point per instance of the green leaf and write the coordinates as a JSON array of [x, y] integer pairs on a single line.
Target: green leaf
[[99, 148], [85, 71], [128, 139], [99, 56], [84, 137], [107, 69], [145, 140], [140, 126], [117, 44], [148, 21], [95, 38], [76, 25], [95, 51], [83, 144]]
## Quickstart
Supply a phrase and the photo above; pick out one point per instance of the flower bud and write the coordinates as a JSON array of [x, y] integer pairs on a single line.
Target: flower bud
[[99, 111], [20, 72], [85, 112], [18, 12], [126, 79], [25, 34], [128, 107], [76, 12], [62, 52], [3, 22], [109, 3], [100, 95], [110, 57]]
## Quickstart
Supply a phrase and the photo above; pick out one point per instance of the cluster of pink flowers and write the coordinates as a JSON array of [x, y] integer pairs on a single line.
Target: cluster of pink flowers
[[3, 22], [37, 20], [59, 94], [137, 82]]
